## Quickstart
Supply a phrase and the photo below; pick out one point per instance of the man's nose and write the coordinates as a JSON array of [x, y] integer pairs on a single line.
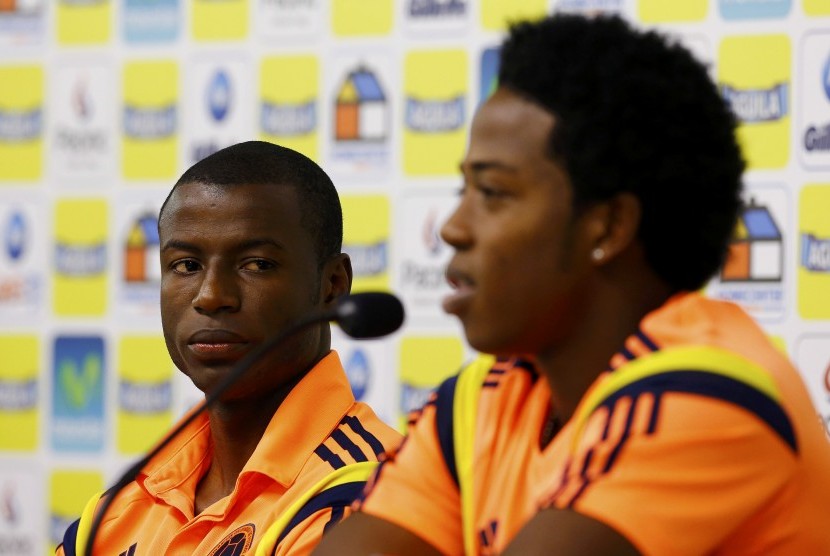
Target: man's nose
[[456, 231], [218, 291]]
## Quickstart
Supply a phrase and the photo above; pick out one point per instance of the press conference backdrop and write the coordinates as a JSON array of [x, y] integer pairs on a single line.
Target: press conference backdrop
[[104, 103]]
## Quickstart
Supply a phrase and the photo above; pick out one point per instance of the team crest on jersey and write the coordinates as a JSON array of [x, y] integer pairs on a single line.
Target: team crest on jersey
[[236, 543]]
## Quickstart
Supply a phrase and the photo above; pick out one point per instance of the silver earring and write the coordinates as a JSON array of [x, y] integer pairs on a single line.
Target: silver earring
[[598, 254]]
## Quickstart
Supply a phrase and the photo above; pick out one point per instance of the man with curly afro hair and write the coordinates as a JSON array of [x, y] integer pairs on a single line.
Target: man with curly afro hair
[[619, 411]]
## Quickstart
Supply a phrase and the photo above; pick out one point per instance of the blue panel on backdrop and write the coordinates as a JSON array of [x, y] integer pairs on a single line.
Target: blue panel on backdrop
[[754, 9], [78, 394], [151, 20]]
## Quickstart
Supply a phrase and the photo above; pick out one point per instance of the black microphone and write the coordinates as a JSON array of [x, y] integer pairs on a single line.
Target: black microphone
[[352, 314], [360, 315]]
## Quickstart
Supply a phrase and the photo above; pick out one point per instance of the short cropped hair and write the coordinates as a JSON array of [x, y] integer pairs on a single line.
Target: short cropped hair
[[635, 112], [267, 164]]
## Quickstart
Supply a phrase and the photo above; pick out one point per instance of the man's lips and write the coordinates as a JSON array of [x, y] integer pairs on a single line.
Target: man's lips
[[463, 289], [211, 343]]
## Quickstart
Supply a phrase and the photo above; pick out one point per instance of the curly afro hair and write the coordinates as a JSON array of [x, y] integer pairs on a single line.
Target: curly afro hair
[[636, 113]]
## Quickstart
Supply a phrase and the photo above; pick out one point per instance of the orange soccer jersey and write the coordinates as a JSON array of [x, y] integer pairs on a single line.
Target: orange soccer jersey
[[700, 438], [318, 431]]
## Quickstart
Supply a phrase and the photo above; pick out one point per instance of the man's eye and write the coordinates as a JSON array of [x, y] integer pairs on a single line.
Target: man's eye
[[490, 192], [185, 266], [258, 264]]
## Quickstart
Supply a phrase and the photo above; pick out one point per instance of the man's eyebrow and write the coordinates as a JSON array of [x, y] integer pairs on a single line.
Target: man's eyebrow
[[247, 244], [476, 167], [260, 242], [178, 244]]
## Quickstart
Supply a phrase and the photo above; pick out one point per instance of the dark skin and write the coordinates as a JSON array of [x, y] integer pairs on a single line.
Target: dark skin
[[238, 267], [583, 287]]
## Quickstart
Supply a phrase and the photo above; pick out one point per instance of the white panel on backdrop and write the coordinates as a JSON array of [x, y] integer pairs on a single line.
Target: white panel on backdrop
[[359, 97], [22, 507], [431, 17], [423, 256], [754, 275], [83, 115], [814, 104], [22, 22], [812, 355], [281, 19], [23, 267], [136, 266], [218, 105]]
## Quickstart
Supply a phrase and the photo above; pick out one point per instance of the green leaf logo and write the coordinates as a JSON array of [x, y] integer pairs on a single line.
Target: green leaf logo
[[80, 384]]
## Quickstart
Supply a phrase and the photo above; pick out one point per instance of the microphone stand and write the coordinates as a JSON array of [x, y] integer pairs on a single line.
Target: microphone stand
[[238, 370]]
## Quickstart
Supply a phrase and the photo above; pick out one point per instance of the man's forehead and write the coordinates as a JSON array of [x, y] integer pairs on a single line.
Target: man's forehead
[[242, 201], [197, 194]]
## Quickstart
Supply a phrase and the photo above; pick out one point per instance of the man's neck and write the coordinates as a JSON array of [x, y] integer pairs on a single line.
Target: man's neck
[[236, 428], [614, 311]]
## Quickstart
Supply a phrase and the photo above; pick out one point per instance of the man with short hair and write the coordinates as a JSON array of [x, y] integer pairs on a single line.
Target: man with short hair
[[250, 244], [624, 412]]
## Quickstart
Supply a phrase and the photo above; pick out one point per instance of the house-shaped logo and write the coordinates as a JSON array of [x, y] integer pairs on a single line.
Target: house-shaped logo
[[141, 251], [756, 251], [360, 108]]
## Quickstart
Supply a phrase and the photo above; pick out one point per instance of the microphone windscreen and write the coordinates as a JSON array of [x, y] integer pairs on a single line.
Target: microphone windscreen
[[369, 314]]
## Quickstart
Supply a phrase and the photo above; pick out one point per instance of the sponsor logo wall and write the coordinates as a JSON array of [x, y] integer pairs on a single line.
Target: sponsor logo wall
[[104, 103]]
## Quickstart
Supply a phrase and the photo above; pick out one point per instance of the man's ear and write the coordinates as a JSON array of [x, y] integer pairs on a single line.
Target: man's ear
[[613, 226], [336, 278]]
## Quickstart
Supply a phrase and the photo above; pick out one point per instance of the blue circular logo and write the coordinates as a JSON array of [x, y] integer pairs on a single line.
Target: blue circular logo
[[15, 236], [219, 96], [359, 373]]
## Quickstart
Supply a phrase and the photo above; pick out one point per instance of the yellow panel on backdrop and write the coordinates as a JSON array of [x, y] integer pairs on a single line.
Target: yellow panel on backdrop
[[80, 279], [214, 20], [425, 361], [662, 11], [754, 77], [435, 114], [497, 14], [814, 252], [288, 95], [19, 368], [150, 118], [21, 122], [145, 382], [817, 7], [69, 491], [366, 239], [87, 22], [361, 17]]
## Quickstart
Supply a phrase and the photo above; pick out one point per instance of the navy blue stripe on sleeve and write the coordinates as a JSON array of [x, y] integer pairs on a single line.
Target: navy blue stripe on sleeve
[[339, 496], [647, 341], [346, 443], [444, 423], [328, 456], [337, 514], [70, 537], [370, 439], [702, 383], [713, 385]]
